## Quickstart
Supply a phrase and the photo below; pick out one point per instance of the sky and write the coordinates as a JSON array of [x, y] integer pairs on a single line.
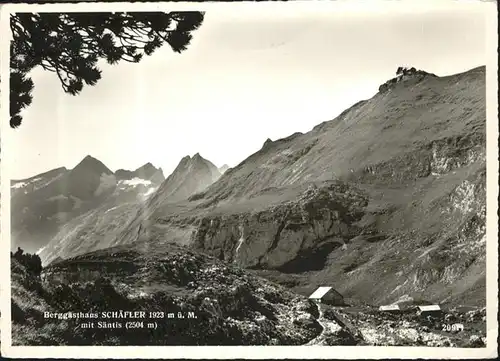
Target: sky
[[245, 77]]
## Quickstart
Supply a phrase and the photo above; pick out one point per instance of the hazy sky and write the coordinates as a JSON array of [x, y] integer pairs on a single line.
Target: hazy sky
[[246, 77]]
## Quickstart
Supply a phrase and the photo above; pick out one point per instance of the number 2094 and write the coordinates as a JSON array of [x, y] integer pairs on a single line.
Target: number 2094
[[453, 327]]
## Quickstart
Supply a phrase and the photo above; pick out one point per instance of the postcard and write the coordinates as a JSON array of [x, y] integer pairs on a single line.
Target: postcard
[[308, 179]]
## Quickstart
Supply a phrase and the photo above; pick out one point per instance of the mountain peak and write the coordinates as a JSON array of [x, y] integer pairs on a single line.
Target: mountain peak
[[404, 74], [148, 166], [195, 159], [90, 163], [89, 158], [267, 142], [191, 175]]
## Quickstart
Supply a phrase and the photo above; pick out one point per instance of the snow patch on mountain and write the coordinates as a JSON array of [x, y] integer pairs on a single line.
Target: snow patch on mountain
[[19, 185], [134, 182], [112, 208], [23, 184], [145, 187]]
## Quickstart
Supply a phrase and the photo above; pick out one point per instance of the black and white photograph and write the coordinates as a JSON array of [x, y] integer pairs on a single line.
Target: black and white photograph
[[308, 174]]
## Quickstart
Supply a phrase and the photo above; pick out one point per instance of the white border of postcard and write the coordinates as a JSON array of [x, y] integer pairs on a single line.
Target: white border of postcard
[[257, 352]]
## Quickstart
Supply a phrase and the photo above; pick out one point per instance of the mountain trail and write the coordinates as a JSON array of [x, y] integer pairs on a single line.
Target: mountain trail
[[329, 328]]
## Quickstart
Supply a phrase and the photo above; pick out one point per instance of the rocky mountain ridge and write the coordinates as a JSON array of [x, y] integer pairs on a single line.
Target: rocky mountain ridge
[[192, 175]]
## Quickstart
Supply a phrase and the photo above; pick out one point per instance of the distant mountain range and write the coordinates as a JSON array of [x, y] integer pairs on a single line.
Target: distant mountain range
[[45, 205]]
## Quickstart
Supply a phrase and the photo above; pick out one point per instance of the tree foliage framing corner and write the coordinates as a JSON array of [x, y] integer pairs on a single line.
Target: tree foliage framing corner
[[71, 44]]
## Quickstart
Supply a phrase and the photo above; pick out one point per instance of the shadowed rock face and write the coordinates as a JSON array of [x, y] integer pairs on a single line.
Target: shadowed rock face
[[90, 178], [279, 236]]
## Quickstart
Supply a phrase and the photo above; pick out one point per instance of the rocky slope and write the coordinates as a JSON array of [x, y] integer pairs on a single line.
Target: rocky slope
[[453, 328], [386, 201], [187, 298], [98, 227], [43, 204], [219, 304]]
